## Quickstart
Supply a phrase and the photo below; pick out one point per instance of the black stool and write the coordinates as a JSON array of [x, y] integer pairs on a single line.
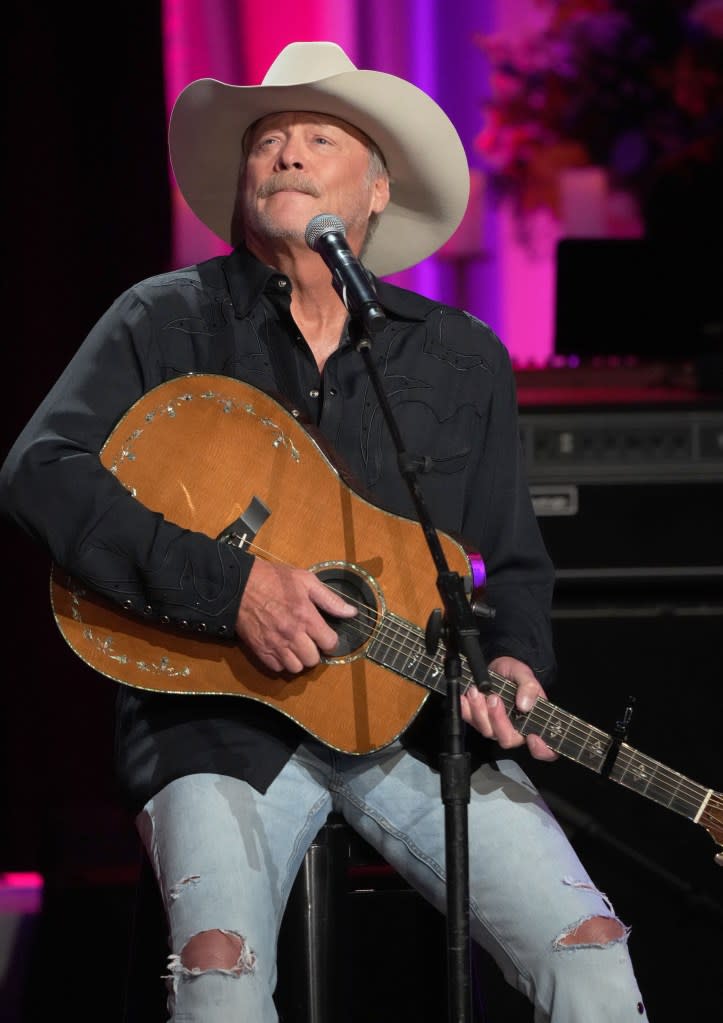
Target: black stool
[[311, 963], [353, 939], [346, 897]]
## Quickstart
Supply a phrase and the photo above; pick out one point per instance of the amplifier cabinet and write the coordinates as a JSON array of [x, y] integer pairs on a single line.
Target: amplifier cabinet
[[629, 496], [630, 505]]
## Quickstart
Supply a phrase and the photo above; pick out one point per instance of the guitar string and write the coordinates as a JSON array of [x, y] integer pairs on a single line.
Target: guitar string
[[541, 713]]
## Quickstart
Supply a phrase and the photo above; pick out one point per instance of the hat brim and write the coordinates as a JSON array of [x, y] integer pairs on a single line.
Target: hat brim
[[423, 152]]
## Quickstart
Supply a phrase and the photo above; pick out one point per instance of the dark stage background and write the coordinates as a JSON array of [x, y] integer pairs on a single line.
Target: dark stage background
[[88, 214]]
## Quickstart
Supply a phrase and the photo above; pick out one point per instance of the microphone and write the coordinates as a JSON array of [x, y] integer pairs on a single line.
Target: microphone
[[325, 235]]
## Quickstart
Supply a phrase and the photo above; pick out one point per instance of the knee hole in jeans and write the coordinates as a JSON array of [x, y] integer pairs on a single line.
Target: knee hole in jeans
[[214, 950], [596, 930]]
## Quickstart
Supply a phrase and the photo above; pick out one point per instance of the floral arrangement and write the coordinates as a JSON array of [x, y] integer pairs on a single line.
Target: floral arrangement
[[634, 87]]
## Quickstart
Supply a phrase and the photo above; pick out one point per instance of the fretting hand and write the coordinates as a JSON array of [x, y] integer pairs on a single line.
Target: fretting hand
[[488, 714]]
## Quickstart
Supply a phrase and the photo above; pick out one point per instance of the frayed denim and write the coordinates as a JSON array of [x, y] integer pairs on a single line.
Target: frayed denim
[[226, 856]]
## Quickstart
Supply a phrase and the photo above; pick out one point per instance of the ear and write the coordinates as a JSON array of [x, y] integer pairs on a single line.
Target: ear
[[380, 195]]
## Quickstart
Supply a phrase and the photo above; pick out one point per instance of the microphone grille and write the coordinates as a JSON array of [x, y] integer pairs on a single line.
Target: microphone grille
[[321, 224]]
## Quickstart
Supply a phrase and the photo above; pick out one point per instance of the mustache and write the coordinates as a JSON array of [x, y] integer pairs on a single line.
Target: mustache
[[285, 181]]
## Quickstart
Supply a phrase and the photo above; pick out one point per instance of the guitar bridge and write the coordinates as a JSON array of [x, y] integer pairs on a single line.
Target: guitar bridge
[[243, 530]]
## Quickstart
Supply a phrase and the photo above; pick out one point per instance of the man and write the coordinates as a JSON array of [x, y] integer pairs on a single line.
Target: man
[[228, 792]]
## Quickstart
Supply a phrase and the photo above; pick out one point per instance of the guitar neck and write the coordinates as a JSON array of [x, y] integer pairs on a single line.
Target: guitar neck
[[586, 745], [400, 646]]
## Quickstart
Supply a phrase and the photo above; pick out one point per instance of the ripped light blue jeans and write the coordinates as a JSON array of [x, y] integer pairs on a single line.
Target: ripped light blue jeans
[[225, 857]]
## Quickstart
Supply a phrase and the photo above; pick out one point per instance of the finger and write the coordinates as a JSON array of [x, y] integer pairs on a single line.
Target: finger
[[326, 599], [321, 633], [290, 660], [526, 695], [474, 712], [302, 653], [504, 731], [540, 750], [279, 659], [327, 641], [270, 661]]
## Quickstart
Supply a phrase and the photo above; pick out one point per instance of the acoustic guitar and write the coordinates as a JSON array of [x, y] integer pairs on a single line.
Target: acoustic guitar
[[219, 456]]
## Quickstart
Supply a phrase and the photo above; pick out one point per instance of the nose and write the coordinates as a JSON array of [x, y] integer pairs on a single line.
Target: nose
[[289, 155]]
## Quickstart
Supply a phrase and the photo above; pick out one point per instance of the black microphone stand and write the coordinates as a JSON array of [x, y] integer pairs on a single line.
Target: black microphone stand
[[461, 635]]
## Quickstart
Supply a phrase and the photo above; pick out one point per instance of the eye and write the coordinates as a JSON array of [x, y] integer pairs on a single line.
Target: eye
[[264, 142]]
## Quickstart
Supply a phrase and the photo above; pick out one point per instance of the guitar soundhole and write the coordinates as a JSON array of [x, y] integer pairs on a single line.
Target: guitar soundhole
[[354, 632]]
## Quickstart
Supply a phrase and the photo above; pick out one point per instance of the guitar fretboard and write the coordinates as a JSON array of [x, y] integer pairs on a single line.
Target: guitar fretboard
[[400, 646]]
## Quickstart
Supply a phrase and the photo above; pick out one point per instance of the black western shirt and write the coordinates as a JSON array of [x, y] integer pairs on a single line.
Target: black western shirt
[[451, 387]]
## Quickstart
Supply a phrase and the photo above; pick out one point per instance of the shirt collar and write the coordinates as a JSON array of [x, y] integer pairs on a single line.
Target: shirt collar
[[401, 303], [248, 278]]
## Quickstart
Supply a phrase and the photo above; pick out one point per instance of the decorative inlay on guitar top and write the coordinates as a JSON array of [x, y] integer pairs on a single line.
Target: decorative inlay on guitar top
[[170, 409], [105, 644]]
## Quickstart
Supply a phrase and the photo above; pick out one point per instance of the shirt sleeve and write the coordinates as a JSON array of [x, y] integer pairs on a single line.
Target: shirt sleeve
[[500, 514], [54, 486]]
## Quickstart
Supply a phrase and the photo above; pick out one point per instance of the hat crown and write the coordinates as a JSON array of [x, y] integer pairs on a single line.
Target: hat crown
[[300, 63]]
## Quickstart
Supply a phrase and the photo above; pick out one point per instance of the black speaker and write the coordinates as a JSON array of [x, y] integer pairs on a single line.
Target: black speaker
[[629, 503], [631, 496], [662, 658]]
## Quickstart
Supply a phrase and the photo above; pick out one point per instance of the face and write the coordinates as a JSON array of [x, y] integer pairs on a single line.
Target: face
[[300, 164]]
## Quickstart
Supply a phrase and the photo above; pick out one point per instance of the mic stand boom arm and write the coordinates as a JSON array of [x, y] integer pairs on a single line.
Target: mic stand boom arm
[[461, 636]]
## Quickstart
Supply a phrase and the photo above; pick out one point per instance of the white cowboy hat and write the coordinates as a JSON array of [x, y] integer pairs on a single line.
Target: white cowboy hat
[[423, 152]]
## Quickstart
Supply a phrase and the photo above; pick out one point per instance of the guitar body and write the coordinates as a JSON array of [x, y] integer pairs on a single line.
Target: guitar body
[[198, 449]]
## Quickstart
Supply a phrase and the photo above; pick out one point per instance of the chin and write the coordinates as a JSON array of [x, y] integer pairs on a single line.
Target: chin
[[292, 208]]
